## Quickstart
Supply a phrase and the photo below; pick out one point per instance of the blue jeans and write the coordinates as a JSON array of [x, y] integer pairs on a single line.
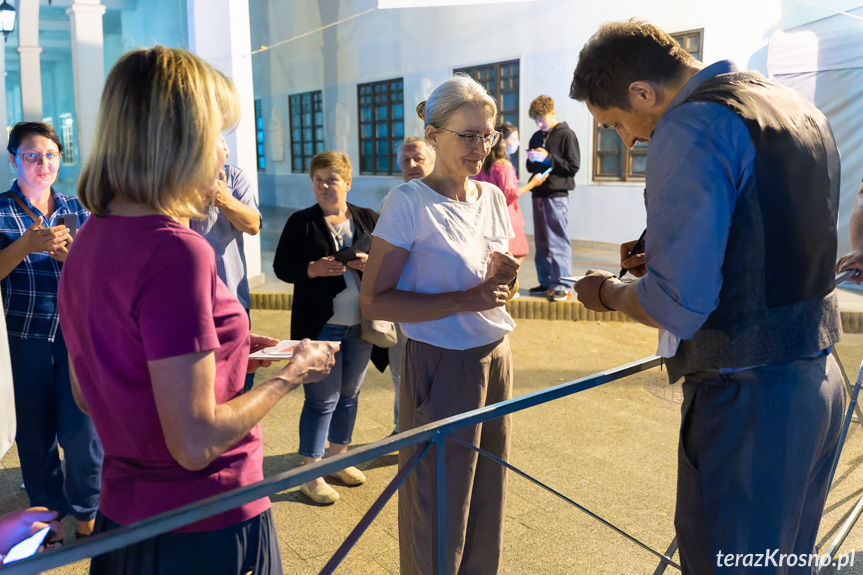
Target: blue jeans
[[553, 247], [47, 413], [330, 408]]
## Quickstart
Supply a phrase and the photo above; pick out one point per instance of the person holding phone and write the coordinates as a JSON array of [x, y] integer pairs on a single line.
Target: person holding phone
[[33, 249], [159, 344], [317, 254], [553, 147], [23, 532]]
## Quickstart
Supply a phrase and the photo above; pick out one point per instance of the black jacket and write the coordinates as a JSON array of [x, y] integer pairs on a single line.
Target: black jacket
[[306, 238], [565, 156]]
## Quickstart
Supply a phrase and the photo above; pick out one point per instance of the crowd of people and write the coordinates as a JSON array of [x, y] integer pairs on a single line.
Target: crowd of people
[[127, 307]]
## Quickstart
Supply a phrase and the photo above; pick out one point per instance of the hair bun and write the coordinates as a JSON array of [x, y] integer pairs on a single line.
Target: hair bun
[[421, 110]]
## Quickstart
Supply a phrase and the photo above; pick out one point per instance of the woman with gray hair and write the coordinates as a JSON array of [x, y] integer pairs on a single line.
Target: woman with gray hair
[[439, 264]]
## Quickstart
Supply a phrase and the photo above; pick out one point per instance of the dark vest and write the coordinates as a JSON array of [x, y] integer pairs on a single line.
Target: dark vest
[[777, 301]]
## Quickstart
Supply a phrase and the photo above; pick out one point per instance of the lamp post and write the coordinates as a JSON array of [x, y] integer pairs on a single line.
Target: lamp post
[[7, 18]]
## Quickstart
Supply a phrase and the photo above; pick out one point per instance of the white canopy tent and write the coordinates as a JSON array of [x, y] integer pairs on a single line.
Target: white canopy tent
[[823, 60]]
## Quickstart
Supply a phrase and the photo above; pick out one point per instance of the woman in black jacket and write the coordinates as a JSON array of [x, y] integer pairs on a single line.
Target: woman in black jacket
[[321, 252]]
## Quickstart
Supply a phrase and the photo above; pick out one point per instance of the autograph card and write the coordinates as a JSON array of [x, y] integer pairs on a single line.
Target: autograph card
[[281, 351]]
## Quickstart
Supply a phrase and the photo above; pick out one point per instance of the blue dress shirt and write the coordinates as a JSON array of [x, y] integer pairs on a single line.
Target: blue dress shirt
[[699, 160]]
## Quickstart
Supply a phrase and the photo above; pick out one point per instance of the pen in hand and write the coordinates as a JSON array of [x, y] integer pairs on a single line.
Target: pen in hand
[[638, 248]]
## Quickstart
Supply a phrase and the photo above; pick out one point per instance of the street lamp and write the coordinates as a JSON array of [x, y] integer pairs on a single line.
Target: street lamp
[[7, 18]]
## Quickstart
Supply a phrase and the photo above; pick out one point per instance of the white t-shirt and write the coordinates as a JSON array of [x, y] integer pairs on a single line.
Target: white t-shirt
[[449, 244]]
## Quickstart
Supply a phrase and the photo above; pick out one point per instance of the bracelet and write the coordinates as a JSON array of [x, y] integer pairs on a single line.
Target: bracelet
[[599, 293]]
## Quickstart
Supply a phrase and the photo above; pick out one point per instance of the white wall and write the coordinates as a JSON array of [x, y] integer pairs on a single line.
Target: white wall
[[423, 45], [219, 33]]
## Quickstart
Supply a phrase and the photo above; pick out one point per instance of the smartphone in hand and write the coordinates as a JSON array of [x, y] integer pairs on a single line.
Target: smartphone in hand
[[361, 244], [28, 547], [70, 221]]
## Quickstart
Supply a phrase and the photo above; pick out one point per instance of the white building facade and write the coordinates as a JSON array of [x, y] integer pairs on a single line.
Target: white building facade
[[60, 52], [347, 75], [322, 88]]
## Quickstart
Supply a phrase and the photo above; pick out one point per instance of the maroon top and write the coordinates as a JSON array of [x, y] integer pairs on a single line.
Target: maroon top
[[139, 289]]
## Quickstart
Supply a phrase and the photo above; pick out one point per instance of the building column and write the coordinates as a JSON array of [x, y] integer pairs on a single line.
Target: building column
[[29, 53], [88, 65], [220, 33]]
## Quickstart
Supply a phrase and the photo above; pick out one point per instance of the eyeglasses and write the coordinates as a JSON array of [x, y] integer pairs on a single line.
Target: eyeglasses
[[472, 141], [36, 157]]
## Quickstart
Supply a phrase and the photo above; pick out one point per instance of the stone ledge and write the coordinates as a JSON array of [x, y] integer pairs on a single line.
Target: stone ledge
[[272, 301], [537, 308], [522, 308]]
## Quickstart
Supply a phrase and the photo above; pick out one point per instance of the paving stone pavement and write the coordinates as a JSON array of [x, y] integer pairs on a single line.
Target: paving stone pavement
[[612, 449]]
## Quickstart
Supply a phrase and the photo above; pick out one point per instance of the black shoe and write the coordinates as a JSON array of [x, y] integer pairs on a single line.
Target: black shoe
[[538, 290]]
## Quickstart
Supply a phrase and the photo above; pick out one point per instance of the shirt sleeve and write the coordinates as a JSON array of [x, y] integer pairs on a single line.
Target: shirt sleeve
[[174, 307], [700, 158], [566, 160], [242, 189], [397, 224]]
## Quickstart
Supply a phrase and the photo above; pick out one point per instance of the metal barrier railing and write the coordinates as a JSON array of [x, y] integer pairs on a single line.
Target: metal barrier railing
[[434, 433]]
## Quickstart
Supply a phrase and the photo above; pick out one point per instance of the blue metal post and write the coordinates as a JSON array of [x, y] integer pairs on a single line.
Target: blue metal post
[[434, 432]]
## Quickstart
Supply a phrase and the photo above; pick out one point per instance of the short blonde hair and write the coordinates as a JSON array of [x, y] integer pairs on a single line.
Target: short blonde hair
[[338, 161], [161, 114]]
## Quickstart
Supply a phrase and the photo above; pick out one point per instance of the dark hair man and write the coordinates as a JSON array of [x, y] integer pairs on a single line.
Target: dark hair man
[[553, 147], [742, 190]]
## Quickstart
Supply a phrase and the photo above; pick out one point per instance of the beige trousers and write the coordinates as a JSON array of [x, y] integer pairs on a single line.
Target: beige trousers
[[438, 383]]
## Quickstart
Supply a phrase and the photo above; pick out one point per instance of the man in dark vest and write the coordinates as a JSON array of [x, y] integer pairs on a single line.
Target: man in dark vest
[[742, 190]]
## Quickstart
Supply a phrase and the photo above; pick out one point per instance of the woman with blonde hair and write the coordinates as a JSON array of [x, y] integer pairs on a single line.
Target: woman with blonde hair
[[439, 264], [158, 343]]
